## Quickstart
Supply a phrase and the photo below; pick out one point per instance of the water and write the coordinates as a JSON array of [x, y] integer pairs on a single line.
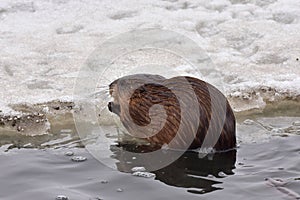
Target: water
[[265, 165], [37, 174]]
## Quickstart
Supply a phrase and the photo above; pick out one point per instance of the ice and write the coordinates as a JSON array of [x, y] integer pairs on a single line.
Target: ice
[[144, 174], [254, 44]]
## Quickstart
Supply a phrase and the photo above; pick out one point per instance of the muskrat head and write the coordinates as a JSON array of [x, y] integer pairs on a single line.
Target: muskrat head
[[122, 89], [143, 104]]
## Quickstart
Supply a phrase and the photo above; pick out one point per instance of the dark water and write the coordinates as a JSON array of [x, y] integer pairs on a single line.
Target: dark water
[[255, 171], [265, 166]]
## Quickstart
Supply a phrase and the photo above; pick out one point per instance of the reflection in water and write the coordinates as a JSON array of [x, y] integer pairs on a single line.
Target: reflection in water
[[189, 171]]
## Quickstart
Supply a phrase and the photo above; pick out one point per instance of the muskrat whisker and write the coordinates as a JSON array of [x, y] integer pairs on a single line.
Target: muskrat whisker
[[106, 79], [103, 93], [102, 86], [103, 109]]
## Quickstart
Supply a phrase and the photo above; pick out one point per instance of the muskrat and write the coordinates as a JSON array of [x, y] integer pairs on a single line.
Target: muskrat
[[177, 112]]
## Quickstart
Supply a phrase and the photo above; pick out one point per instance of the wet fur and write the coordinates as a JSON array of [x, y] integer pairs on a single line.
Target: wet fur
[[149, 94]]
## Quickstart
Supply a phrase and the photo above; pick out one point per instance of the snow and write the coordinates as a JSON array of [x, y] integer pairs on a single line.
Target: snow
[[254, 44]]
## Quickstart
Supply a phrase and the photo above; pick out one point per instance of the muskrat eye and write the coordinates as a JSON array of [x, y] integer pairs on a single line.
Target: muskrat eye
[[142, 89]]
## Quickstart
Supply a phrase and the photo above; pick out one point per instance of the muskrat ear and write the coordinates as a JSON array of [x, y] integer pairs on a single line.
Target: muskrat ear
[[112, 84], [149, 93], [141, 92], [142, 89]]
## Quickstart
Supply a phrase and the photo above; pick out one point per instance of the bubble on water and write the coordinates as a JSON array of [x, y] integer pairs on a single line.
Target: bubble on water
[[138, 169], [277, 130], [275, 182], [79, 158], [61, 197], [222, 174], [210, 176], [19, 128], [69, 153], [143, 174], [104, 181]]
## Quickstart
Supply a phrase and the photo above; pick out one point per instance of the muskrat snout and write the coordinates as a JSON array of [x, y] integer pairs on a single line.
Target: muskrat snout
[[113, 108]]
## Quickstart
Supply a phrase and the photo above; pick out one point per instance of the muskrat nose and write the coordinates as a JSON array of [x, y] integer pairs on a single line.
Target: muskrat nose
[[110, 105], [114, 108]]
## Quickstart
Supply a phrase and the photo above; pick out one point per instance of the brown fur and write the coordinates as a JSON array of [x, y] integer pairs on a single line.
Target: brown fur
[[156, 89]]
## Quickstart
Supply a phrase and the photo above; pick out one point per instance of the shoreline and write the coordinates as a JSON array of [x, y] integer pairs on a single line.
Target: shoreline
[[52, 124], [37, 119]]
